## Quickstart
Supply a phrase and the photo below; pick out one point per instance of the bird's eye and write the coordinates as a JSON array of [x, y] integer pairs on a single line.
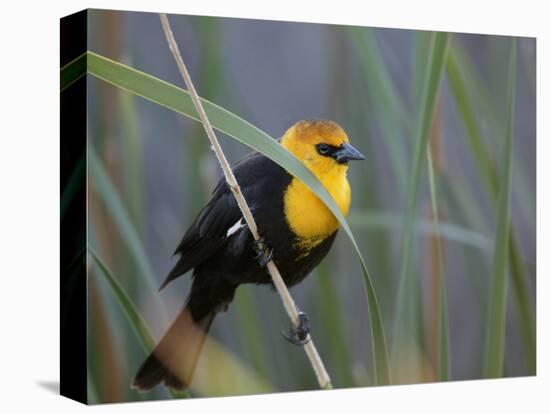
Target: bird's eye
[[323, 149]]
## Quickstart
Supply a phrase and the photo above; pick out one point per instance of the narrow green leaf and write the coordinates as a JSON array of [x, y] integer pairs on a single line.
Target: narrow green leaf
[[393, 115], [422, 44], [74, 270], [335, 328], [403, 323], [91, 389], [74, 184], [444, 369], [496, 321], [487, 169], [480, 151], [372, 62], [72, 71], [133, 158], [384, 220], [178, 100], [118, 212], [135, 320], [477, 93], [250, 325]]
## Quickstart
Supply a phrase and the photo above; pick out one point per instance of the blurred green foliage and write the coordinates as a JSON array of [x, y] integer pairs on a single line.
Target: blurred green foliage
[[436, 222]]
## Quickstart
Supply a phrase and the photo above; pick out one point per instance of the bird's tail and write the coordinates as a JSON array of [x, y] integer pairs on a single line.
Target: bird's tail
[[174, 359]]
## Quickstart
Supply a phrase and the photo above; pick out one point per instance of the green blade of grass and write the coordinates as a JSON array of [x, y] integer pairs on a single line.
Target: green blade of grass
[[74, 184], [404, 308], [496, 318], [384, 220], [119, 214], [133, 158], [178, 100], [480, 151], [393, 115], [135, 320], [333, 319], [487, 169], [358, 106], [422, 43], [372, 62], [444, 369], [91, 389], [478, 93], [250, 326], [72, 71]]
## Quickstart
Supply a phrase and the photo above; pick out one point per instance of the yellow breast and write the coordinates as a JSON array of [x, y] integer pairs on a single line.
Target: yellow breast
[[307, 216]]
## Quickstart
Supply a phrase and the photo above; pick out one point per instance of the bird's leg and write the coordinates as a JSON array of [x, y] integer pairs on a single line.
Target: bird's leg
[[264, 253], [299, 335]]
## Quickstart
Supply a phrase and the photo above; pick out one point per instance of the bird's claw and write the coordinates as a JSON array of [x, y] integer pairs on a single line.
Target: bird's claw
[[299, 335], [264, 253]]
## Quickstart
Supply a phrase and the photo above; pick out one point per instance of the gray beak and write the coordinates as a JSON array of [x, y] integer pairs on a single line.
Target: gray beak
[[347, 153]]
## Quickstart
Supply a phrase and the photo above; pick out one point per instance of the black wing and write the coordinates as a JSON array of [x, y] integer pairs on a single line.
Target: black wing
[[208, 233]]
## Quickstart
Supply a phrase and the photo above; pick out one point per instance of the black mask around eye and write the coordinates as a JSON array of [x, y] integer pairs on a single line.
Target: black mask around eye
[[342, 154]]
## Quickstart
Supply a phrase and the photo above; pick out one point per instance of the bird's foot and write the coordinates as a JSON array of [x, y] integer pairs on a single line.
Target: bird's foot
[[264, 253], [299, 335]]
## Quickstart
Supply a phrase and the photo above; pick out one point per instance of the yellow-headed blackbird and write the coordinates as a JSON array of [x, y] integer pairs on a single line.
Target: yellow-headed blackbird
[[298, 228]]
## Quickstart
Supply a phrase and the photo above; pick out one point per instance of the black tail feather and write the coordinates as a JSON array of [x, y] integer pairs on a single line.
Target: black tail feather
[[152, 372], [174, 359]]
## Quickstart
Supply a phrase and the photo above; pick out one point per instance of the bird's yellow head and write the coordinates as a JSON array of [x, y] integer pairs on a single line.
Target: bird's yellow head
[[322, 145], [324, 148]]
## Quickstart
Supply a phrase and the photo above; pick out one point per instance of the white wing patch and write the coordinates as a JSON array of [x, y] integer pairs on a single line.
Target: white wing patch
[[235, 228]]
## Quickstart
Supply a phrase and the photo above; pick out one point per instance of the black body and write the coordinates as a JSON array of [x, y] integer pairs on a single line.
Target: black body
[[221, 262]]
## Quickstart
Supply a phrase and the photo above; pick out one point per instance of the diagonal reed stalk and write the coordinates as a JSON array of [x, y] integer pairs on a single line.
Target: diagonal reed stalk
[[496, 318], [316, 362]]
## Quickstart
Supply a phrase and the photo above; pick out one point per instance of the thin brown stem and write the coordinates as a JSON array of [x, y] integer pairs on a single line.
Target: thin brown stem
[[288, 301]]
